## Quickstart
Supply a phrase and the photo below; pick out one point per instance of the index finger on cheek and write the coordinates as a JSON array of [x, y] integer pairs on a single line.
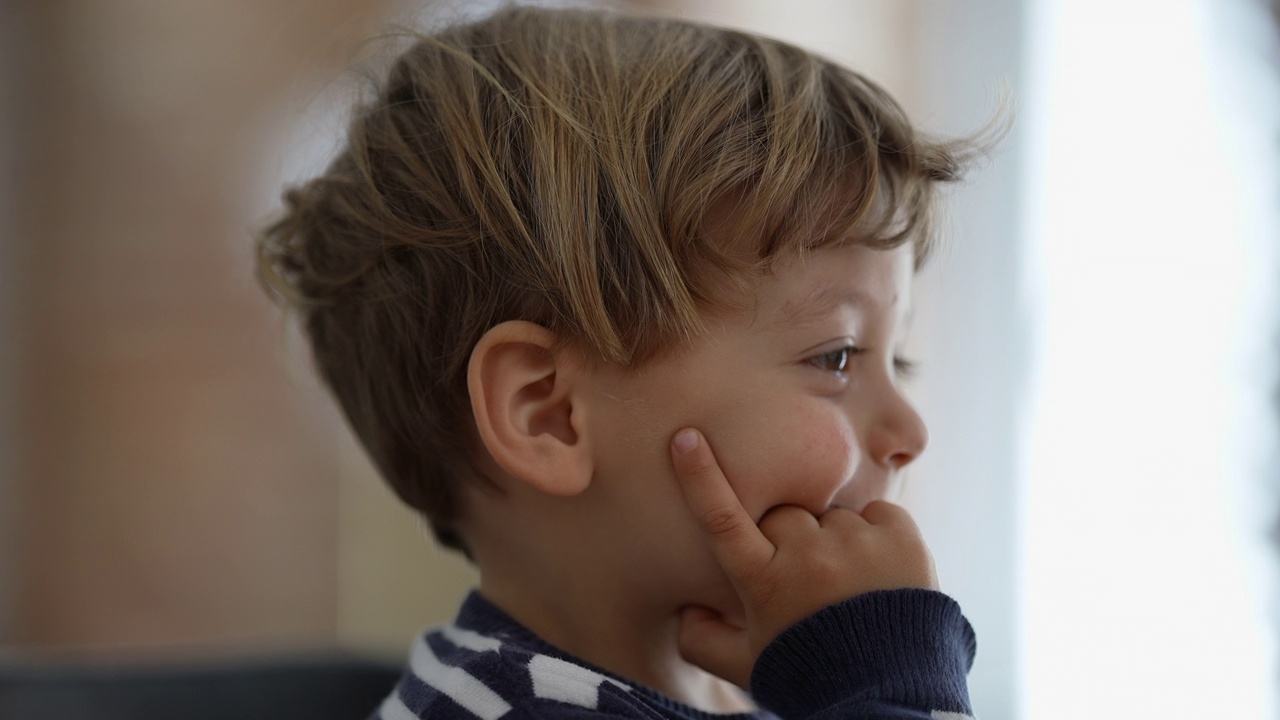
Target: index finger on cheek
[[738, 544]]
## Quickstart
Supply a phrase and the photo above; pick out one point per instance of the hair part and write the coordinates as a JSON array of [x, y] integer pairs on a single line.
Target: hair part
[[560, 167]]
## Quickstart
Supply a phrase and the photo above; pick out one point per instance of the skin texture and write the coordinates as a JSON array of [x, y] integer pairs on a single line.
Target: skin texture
[[649, 562]]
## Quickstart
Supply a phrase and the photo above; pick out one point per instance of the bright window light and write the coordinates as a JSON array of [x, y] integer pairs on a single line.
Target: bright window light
[[1146, 572]]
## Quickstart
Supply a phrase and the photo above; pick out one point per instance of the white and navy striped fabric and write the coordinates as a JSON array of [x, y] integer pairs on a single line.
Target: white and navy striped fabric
[[449, 670], [487, 666]]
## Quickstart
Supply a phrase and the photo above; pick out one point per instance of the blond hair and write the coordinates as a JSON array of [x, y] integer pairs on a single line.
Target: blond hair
[[560, 167]]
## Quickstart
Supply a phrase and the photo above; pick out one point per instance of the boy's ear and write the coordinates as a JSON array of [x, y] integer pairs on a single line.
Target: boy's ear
[[523, 389]]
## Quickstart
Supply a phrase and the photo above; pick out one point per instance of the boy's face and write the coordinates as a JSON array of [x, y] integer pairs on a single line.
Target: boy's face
[[797, 396]]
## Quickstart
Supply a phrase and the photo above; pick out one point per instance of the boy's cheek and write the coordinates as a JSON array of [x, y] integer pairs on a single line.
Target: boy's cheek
[[806, 467]]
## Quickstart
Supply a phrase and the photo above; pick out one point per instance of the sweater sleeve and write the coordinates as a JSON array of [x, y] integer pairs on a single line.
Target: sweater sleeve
[[885, 654]]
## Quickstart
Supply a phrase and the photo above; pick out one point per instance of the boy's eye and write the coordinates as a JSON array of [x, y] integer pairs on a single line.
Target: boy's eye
[[835, 361], [906, 369]]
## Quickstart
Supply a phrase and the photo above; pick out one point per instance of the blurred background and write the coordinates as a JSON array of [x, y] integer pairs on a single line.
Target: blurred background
[[1100, 341]]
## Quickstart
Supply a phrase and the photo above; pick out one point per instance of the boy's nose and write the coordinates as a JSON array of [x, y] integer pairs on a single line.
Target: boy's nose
[[898, 434]]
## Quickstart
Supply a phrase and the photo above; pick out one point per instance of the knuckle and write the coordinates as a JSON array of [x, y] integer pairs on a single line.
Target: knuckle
[[774, 522], [840, 518], [880, 512], [879, 509], [720, 521]]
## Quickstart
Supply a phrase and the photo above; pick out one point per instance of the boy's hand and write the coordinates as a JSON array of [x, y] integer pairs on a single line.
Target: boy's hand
[[789, 567]]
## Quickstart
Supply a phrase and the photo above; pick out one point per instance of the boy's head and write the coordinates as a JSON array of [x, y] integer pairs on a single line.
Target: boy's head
[[625, 190]]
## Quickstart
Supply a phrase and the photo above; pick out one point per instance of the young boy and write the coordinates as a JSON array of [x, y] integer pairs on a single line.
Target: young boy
[[615, 303]]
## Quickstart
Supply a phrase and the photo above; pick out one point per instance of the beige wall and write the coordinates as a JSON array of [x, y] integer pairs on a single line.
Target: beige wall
[[176, 490], [874, 37], [393, 582], [10, 44]]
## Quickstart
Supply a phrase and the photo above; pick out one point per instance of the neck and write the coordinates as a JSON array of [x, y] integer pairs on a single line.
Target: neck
[[615, 630]]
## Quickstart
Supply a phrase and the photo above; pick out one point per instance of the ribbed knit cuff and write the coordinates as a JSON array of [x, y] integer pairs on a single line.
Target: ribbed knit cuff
[[909, 647]]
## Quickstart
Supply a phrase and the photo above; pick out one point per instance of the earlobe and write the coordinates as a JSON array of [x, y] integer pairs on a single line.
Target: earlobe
[[523, 390]]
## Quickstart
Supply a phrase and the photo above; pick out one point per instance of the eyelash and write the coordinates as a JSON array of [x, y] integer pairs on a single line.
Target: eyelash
[[903, 368], [835, 360]]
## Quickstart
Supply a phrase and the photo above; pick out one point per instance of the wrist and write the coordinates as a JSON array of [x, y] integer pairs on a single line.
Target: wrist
[[911, 647]]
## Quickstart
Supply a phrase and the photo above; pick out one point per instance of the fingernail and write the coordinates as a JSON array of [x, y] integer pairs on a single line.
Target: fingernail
[[685, 440]]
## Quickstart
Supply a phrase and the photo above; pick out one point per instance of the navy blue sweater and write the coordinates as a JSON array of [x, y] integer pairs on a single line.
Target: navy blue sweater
[[883, 655]]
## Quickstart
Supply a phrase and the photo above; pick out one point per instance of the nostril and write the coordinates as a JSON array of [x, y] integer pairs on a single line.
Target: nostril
[[897, 461]]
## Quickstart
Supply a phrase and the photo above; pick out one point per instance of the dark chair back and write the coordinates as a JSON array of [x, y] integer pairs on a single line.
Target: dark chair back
[[333, 688]]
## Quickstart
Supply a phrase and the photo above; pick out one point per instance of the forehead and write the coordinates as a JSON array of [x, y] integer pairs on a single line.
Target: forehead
[[805, 289]]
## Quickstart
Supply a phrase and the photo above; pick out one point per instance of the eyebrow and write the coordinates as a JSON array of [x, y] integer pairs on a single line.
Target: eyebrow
[[818, 304]]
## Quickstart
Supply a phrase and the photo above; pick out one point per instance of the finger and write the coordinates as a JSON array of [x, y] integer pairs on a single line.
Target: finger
[[722, 649], [879, 512], [841, 516], [736, 542], [784, 521]]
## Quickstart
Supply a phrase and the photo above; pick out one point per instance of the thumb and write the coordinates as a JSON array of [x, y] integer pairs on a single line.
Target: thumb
[[724, 650]]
